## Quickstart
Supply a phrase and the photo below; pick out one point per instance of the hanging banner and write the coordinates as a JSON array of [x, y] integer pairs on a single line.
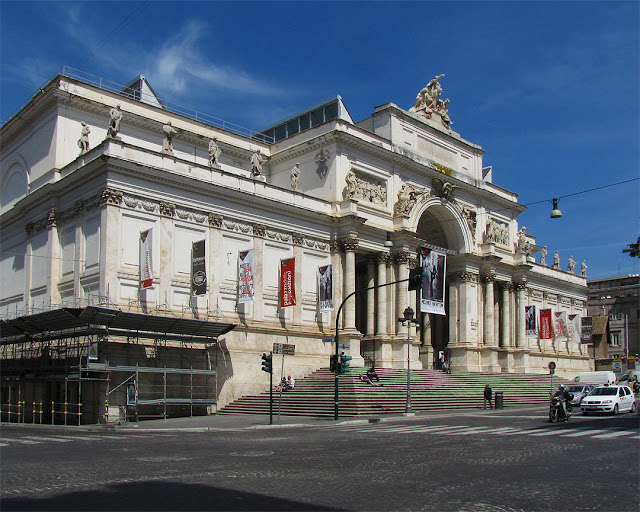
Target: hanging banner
[[146, 258], [434, 266], [287, 283], [546, 328], [132, 393], [198, 269], [325, 288], [560, 326], [245, 276], [573, 327], [530, 322], [587, 329]]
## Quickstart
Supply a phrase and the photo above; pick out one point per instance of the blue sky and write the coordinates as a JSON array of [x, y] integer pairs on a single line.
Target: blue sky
[[550, 90]]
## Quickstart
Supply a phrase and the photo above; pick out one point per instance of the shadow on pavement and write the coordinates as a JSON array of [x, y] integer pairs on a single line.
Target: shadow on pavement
[[158, 496]]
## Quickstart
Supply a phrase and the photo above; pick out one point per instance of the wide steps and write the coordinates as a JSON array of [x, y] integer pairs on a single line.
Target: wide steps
[[430, 390]]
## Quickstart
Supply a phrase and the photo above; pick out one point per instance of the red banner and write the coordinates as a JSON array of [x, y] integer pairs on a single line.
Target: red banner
[[546, 329], [287, 283]]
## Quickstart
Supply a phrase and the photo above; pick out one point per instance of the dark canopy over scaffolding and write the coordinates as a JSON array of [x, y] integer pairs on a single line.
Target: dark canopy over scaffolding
[[64, 322]]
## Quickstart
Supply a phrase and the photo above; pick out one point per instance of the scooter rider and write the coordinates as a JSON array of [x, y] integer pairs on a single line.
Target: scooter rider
[[565, 400]]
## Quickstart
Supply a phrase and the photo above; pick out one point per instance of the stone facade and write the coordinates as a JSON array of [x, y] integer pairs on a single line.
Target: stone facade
[[71, 225]]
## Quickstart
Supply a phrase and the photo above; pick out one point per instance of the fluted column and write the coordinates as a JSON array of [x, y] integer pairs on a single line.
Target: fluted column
[[371, 295], [381, 303], [521, 338], [454, 313], [505, 324], [489, 321], [350, 245], [402, 258]]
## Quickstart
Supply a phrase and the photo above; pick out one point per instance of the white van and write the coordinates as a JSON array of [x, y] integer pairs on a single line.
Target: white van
[[597, 378], [629, 377]]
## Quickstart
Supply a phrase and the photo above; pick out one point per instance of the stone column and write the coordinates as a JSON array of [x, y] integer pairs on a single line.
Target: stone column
[[402, 258], [453, 310], [467, 307], [489, 325], [505, 318], [381, 304], [521, 337], [350, 245], [371, 296]]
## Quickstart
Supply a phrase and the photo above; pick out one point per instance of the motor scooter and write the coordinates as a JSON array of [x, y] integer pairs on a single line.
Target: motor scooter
[[556, 411]]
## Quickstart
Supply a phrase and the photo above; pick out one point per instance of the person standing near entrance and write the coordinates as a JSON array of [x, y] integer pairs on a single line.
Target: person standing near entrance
[[488, 393]]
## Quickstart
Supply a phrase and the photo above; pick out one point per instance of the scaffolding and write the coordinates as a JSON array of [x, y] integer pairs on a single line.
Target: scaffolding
[[79, 365]]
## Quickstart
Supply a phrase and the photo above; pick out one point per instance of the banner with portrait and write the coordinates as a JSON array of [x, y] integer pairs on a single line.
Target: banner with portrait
[[573, 327], [198, 269], [245, 276], [287, 282], [325, 288], [530, 322], [434, 267], [546, 325], [146, 259], [560, 330]]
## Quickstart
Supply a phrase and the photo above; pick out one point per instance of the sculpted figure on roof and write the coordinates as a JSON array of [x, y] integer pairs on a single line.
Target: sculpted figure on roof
[[428, 102]]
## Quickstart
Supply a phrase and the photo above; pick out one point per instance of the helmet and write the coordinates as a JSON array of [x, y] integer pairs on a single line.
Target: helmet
[[561, 386]]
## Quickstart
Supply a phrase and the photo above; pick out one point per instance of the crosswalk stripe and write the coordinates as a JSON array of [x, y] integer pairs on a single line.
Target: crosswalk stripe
[[471, 430], [551, 432], [81, 438], [586, 433], [55, 440], [21, 441], [611, 435], [520, 431]]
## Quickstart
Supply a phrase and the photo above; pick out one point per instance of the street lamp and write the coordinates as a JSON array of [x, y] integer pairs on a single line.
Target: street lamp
[[408, 320]]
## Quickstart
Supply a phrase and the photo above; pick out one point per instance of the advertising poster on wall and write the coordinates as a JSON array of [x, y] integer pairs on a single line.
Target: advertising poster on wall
[[434, 265], [530, 322], [146, 258], [198, 269], [587, 328], [325, 288], [560, 326], [573, 327], [546, 327], [132, 393], [287, 282], [245, 276]]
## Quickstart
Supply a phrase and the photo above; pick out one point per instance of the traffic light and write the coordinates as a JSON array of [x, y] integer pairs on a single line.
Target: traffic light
[[333, 363], [415, 278], [344, 363], [266, 362]]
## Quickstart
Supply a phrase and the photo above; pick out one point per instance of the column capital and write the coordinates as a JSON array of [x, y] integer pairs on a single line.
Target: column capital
[[488, 277], [506, 285], [521, 285], [349, 244], [383, 257], [402, 257], [468, 277]]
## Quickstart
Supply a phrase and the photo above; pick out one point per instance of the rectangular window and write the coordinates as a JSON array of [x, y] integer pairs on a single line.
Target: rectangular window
[[292, 127], [305, 122], [331, 111], [281, 132], [615, 339], [317, 117], [615, 314]]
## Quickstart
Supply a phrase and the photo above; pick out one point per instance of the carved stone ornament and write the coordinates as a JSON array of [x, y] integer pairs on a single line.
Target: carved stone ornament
[[215, 220], [428, 102], [496, 232], [322, 163], [521, 285], [298, 239], [443, 189], [468, 277], [365, 188], [111, 196], [489, 277], [402, 257], [349, 244], [383, 257], [259, 230], [407, 197], [471, 216], [167, 209]]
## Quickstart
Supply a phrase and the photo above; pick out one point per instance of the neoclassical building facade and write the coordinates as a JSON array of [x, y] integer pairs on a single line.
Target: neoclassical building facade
[[86, 169]]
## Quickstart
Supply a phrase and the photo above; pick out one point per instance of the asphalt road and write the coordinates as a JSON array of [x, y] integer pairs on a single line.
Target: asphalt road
[[512, 461]]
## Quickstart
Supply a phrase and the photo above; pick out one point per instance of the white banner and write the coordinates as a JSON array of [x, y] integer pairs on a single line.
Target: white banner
[[530, 322], [575, 328], [560, 330], [146, 259], [245, 276], [325, 288], [434, 267]]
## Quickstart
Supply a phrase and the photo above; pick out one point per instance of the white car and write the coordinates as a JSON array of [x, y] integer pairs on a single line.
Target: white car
[[579, 391], [613, 399]]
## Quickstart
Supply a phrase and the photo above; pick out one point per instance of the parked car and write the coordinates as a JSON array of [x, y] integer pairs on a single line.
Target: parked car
[[613, 399], [579, 391]]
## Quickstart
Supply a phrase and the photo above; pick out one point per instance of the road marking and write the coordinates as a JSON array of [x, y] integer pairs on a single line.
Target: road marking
[[37, 438], [82, 438], [586, 433], [551, 432], [611, 435], [21, 441], [470, 430], [520, 431]]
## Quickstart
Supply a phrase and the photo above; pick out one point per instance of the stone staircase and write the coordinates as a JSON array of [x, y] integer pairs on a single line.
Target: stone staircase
[[430, 390]]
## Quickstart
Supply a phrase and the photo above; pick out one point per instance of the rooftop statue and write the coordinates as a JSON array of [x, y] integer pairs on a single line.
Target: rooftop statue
[[428, 102]]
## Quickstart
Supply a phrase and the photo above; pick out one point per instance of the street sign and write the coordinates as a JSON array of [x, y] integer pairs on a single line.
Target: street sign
[[284, 348], [617, 366], [344, 346], [328, 339]]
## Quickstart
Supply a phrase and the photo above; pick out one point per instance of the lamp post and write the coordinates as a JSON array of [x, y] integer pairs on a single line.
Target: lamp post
[[408, 320]]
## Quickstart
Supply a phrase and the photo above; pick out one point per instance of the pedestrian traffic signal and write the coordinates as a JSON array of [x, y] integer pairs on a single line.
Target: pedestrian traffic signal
[[333, 363], [344, 363], [415, 278], [266, 362]]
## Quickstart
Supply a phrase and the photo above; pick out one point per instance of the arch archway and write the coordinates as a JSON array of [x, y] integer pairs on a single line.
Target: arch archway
[[14, 183]]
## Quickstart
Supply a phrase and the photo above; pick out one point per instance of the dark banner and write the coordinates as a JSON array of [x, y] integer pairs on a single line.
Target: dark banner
[[587, 329], [198, 269]]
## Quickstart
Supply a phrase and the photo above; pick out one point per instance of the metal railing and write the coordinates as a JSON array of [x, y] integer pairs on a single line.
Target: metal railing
[[168, 105]]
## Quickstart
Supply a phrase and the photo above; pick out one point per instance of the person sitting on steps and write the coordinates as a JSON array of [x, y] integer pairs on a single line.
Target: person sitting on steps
[[370, 377]]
